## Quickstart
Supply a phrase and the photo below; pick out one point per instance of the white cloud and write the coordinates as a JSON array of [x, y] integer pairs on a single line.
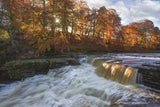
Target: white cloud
[[97, 3], [147, 9], [131, 11]]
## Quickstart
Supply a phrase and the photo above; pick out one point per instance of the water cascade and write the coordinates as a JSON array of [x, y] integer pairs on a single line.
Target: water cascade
[[78, 86], [116, 72]]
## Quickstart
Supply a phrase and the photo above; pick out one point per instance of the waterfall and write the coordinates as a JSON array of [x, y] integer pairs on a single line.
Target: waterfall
[[116, 72], [77, 86]]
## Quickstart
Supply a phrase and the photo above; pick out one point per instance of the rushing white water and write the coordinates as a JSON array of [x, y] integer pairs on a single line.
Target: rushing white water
[[70, 86]]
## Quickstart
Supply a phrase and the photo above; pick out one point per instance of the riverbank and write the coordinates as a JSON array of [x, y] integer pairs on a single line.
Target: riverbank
[[20, 69], [28, 66]]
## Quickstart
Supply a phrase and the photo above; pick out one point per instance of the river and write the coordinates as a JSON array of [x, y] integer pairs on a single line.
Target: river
[[80, 86]]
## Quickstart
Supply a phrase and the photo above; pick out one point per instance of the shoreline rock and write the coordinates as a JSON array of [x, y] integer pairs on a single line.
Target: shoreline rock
[[20, 69]]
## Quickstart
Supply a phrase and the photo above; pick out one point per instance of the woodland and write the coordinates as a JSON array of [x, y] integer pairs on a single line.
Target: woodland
[[38, 27]]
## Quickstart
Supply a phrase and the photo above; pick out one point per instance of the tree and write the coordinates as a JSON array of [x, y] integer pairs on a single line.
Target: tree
[[65, 9], [108, 24]]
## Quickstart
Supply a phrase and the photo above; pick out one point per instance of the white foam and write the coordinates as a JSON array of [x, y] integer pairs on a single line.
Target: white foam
[[76, 86]]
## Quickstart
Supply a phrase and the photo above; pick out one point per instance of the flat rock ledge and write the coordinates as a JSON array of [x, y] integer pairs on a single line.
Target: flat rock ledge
[[20, 69]]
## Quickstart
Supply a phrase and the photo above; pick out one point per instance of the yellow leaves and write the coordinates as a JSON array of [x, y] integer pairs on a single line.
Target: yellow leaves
[[77, 37], [140, 40], [27, 27], [24, 26], [139, 36], [4, 34], [39, 39], [154, 41], [61, 43], [45, 45], [43, 41], [91, 28]]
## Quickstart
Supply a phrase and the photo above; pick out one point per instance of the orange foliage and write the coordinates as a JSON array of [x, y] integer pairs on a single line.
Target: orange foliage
[[140, 35], [79, 27]]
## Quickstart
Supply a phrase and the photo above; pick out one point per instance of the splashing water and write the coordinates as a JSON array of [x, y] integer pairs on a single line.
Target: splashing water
[[70, 86]]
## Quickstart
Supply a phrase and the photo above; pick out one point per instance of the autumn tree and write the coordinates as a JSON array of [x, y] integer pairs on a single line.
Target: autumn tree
[[129, 37], [77, 22], [58, 25], [140, 35], [108, 24], [81, 11], [12, 17]]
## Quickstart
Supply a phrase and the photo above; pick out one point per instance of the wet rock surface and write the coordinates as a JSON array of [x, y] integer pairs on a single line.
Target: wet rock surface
[[148, 65], [135, 105], [150, 77], [73, 86], [19, 69], [59, 62]]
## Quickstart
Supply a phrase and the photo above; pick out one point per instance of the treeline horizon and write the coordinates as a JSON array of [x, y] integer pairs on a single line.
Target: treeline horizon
[[69, 25]]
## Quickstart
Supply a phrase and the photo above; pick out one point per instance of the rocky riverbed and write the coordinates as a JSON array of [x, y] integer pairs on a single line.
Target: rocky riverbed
[[148, 65], [84, 85]]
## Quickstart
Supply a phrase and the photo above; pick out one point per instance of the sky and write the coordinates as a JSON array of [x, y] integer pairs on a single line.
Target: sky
[[132, 10]]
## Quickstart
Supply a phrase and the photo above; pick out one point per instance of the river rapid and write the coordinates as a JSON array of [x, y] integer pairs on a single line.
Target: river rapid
[[75, 86]]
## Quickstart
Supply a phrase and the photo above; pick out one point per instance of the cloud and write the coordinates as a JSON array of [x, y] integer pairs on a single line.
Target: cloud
[[97, 3], [146, 9], [132, 10]]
